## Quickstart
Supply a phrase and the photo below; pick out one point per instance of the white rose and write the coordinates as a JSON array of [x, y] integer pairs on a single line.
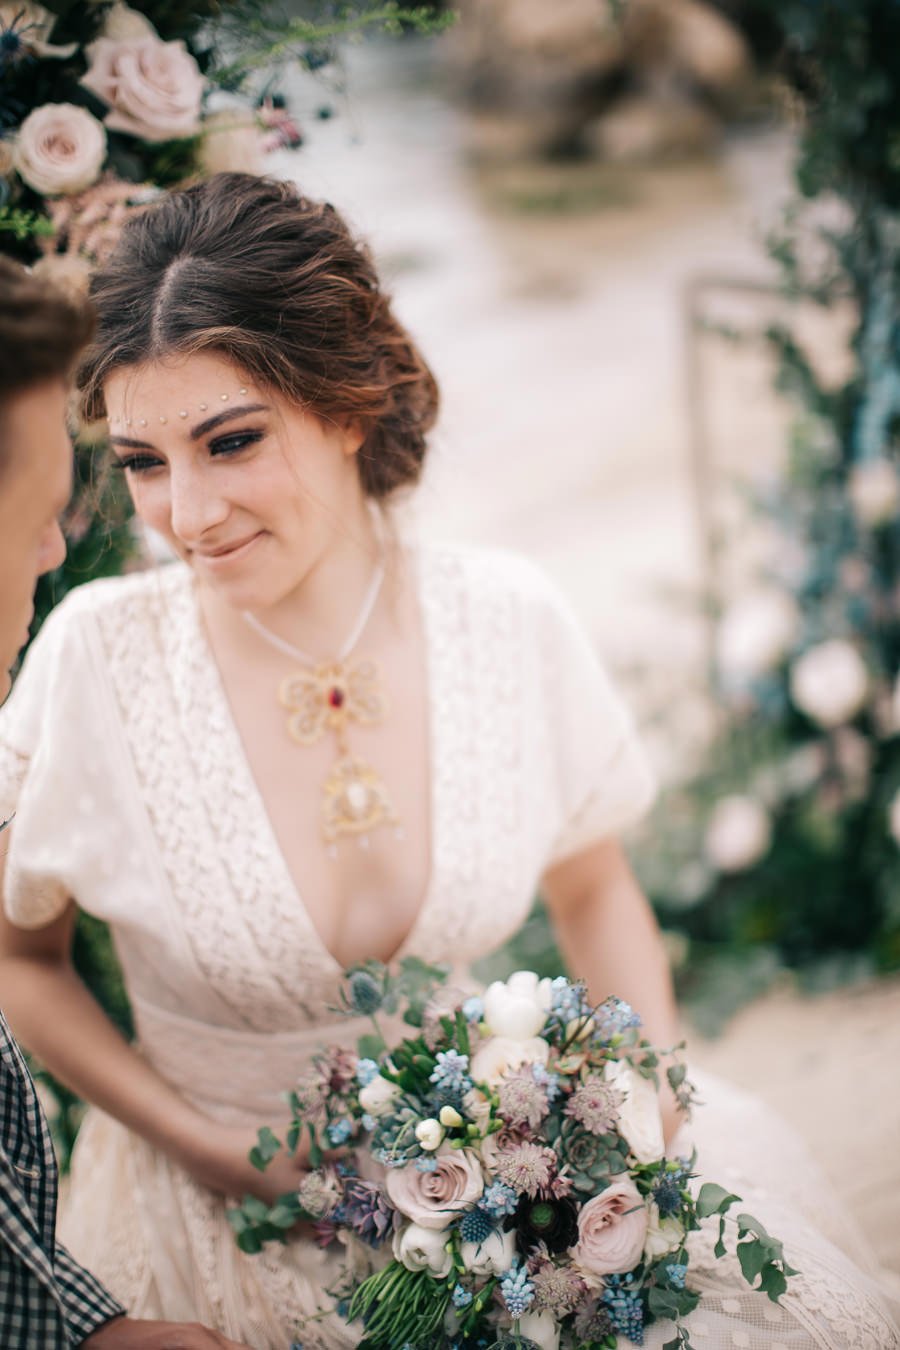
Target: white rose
[[738, 835], [640, 1123], [756, 632], [874, 492], [663, 1235], [830, 682], [894, 818], [430, 1134], [518, 1007], [377, 1096], [497, 1057], [541, 1328], [60, 149], [493, 1256], [420, 1248]]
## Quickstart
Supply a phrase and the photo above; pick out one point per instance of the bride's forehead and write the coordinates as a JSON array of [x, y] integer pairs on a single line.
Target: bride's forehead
[[207, 376]]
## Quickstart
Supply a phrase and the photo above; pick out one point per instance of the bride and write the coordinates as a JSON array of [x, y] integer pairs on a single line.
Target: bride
[[305, 743]]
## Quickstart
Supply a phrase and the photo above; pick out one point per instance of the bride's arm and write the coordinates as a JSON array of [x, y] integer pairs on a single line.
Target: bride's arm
[[609, 937], [51, 1011]]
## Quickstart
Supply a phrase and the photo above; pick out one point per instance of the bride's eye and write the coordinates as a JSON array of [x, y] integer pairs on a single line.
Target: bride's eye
[[136, 463], [230, 445]]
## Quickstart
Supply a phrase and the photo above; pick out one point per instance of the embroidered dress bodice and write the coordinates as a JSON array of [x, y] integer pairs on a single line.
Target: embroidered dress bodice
[[134, 795]]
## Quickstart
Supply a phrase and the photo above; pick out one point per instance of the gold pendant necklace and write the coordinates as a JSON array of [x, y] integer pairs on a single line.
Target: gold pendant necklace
[[327, 697]]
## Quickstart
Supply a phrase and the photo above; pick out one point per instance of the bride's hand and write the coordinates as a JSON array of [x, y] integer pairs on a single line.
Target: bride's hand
[[220, 1160]]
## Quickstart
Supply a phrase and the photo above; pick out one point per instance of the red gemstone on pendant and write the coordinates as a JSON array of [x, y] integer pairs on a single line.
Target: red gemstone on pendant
[[336, 697]]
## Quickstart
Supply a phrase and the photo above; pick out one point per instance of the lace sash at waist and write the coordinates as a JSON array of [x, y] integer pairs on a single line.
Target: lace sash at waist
[[238, 1076]]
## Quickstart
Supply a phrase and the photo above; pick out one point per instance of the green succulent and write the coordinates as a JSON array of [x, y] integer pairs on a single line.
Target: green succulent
[[591, 1159]]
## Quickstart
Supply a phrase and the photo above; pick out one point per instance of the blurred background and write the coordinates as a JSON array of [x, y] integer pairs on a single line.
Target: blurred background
[[650, 249]]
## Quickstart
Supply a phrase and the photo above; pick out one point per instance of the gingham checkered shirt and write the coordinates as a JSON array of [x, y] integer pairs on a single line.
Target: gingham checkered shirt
[[47, 1300]]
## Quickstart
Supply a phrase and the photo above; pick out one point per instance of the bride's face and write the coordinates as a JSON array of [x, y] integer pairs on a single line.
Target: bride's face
[[248, 488]]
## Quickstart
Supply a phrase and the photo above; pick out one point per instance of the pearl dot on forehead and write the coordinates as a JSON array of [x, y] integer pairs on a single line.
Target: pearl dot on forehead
[[183, 413]]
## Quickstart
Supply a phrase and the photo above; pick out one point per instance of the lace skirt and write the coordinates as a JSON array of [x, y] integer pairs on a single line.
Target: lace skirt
[[162, 1245]]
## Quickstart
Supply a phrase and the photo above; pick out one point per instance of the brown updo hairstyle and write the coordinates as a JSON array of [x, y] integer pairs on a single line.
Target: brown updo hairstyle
[[251, 269]]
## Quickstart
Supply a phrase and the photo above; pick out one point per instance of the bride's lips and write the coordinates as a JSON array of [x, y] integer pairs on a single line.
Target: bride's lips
[[227, 553]]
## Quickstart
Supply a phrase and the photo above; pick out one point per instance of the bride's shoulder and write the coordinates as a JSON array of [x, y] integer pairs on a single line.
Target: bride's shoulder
[[137, 594]]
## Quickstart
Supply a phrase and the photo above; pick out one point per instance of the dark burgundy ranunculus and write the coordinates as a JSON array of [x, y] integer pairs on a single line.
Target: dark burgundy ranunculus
[[551, 1222]]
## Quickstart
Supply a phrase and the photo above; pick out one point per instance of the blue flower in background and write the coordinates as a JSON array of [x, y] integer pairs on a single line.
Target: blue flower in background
[[450, 1072]]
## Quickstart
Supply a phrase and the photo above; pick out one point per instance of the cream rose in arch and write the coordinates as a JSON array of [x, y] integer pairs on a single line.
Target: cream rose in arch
[[60, 149], [433, 1199], [152, 88]]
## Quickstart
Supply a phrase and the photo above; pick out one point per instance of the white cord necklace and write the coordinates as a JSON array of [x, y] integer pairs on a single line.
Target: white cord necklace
[[327, 696]]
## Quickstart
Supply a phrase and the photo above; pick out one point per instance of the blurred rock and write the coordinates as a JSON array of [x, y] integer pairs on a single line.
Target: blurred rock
[[650, 77]]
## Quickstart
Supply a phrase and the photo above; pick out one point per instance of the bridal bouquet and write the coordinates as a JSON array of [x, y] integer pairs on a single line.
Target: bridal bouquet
[[505, 1165]]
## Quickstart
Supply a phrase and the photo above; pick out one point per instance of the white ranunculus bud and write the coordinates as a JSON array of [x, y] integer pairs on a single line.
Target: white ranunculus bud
[[450, 1117], [420, 1248], [829, 683], [517, 1008], [738, 835], [894, 818], [430, 1134], [874, 489], [493, 1256], [756, 632], [376, 1097], [540, 1328], [640, 1123]]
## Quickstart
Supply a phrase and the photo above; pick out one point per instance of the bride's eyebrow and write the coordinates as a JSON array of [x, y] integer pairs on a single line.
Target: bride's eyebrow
[[202, 428]]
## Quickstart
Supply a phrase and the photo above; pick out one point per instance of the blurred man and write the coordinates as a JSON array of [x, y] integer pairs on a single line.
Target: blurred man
[[47, 1301]]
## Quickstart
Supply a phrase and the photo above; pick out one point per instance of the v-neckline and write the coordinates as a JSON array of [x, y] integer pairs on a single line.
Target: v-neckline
[[245, 781]]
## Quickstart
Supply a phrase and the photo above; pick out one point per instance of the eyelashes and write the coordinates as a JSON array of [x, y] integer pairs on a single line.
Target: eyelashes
[[220, 448]]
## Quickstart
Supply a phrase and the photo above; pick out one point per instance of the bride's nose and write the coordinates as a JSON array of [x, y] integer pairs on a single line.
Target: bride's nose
[[195, 506]]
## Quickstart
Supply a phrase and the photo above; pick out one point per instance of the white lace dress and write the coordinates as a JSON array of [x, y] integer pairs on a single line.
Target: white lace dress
[[133, 794]]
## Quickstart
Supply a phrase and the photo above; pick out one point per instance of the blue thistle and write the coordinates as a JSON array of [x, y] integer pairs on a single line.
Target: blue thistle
[[365, 993], [667, 1194], [476, 1226], [517, 1290], [625, 1308]]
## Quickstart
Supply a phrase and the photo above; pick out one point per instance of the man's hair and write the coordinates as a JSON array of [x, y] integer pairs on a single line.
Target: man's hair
[[42, 332]]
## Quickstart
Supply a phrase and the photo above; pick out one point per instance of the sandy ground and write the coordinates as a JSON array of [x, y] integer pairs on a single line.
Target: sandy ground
[[551, 303]]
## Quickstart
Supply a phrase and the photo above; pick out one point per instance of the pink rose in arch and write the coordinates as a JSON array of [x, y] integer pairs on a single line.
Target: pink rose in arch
[[153, 88]]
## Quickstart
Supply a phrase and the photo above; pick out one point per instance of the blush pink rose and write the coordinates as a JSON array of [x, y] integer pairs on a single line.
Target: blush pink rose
[[612, 1229], [153, 88], [59, 149], [433, 1199]]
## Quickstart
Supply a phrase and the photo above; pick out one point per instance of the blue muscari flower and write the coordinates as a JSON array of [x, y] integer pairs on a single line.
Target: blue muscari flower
[[567, 1000], [625, 1308], [339, 1131], [476, 1226], [677, 1274], [450, 1071], [427, 1163], [461, 1297], [473, 1009], [517, 1290], [369, 1122], [547, 1080], [615, 1016], [498, 1200], [366, 1071]]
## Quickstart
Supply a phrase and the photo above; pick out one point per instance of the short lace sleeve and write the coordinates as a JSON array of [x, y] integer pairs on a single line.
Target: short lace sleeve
[[44, 712], [604, 780]]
